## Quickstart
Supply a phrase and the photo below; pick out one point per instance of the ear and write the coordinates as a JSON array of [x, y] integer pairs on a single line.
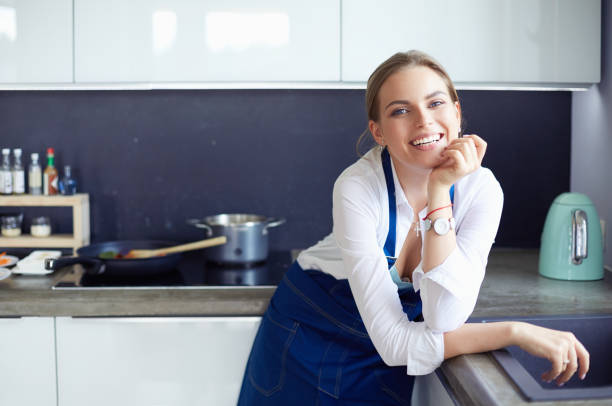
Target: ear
[[376, 132], [458, 107]]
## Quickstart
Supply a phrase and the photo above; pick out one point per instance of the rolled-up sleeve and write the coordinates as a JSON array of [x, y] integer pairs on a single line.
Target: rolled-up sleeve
[[356, 212], [450, 290]]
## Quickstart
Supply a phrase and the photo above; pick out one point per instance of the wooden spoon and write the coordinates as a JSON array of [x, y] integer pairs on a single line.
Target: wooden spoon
[[209, 242]]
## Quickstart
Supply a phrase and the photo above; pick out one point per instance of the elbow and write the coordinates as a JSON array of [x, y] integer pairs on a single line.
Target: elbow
[[445, 320], [444, 325]]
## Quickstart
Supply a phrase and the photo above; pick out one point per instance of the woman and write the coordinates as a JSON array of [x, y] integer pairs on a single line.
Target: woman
[[386, 295]]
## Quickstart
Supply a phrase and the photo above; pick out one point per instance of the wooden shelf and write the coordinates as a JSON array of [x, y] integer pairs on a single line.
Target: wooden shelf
[[80, 221], [44, 201], [53, 241]]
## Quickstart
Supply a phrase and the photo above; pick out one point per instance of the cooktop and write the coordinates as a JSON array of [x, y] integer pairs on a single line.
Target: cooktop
[[192, 272]]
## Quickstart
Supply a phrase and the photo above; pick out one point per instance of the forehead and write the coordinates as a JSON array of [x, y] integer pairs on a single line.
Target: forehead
[[413, 84]]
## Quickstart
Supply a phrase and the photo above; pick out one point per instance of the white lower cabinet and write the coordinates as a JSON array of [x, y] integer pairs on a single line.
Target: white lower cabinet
[[429, 391], [27, 366], [152, 361]]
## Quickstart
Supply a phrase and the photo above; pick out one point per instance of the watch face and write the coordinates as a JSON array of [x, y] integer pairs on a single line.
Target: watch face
[[441, 226]]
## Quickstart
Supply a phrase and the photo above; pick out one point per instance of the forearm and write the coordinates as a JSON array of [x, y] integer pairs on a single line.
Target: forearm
[[436, 247], [478, 337]]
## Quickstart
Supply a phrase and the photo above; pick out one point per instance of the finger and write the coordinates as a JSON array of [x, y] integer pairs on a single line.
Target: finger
[[468, 149], [456, 159], [583, 359], [471, 153], [481, 145], [569, 368], [556, 368]]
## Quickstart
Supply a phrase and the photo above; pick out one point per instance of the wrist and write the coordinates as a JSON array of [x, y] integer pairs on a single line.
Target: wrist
[[437, 188], [514, 332]]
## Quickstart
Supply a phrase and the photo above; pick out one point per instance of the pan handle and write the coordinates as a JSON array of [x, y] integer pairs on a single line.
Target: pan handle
[[199, 224], [93, 265]]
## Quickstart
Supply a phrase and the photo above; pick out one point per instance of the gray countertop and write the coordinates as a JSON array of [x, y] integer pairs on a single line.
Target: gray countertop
[[512, 287]]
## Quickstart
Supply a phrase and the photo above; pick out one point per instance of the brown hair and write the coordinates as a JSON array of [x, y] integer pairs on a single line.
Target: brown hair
[[396, 62]]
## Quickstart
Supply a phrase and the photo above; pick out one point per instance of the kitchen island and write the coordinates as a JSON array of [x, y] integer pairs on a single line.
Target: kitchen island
[[512, 287]]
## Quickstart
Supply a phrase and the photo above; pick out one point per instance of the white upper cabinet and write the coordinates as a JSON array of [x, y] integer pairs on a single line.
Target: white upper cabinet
[[35, 41], [206, 41], [478, 41]]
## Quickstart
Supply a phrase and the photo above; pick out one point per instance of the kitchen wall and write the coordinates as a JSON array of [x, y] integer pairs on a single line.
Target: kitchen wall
[[592, 137], [152, 159]]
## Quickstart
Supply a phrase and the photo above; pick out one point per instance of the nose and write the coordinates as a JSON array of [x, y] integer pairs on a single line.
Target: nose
[[423, 117]]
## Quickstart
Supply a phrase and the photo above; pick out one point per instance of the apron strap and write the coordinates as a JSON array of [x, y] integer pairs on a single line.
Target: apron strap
[[389, 247]]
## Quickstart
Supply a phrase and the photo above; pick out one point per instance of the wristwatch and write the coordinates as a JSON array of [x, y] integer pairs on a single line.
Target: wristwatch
[[441, 225]]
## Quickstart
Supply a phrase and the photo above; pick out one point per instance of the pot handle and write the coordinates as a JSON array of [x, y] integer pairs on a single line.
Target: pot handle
[[274, 222], [200, 224], [93, 265]]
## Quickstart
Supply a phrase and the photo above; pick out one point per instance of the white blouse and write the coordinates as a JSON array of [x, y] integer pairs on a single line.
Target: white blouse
[[354, 251]]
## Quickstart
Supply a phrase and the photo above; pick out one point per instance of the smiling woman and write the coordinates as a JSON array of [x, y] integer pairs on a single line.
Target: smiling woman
[[386, 295]]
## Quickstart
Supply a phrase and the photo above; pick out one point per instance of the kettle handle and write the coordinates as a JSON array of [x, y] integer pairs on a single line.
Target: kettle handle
[[579, 236]]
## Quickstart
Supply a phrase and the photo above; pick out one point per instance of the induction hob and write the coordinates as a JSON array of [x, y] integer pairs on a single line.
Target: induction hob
[[193, 272]]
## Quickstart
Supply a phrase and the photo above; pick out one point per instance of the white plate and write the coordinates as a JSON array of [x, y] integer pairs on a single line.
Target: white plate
[[4, 273], [38, 271], [12, 260]]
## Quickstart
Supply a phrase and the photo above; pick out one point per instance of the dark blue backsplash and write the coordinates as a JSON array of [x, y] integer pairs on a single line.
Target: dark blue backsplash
[[152, 159]]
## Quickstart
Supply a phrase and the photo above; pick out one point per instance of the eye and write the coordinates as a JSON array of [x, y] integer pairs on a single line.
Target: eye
[[399, 111], [436, 103]]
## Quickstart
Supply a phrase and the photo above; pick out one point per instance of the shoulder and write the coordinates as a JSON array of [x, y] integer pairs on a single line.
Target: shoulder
[[480, 178], [481, 185], [362, 177]]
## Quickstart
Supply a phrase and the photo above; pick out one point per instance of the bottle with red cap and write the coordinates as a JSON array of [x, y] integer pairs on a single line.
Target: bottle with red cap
[[50, 175]]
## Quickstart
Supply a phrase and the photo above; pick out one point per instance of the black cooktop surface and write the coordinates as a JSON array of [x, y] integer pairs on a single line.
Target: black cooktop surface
[[192, 271]]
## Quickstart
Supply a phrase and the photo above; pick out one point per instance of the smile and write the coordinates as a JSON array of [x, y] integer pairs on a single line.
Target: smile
[[432, 139]]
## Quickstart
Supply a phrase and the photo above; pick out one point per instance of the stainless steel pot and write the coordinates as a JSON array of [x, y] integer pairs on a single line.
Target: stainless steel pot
[[247, 236]]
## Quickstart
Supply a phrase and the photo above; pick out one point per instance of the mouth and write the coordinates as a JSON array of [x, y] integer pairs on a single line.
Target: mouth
[[427, 142]]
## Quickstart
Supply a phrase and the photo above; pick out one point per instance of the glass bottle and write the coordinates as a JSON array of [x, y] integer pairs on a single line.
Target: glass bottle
[[6, 186], [67, 184], [18, 173], [50, 180], [35, 176]]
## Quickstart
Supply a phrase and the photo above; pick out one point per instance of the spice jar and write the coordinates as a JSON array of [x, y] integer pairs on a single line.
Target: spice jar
[[41, 227], [11, 225]]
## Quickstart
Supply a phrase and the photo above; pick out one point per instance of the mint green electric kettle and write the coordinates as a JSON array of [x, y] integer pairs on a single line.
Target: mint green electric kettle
[[571, 247]]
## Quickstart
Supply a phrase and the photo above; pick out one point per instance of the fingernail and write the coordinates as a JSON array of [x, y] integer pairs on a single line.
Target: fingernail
[[582, 376], [561, 384], [549, 381]]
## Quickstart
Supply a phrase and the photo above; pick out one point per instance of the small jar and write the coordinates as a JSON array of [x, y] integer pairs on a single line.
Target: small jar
[[11, 225], [41, 227]]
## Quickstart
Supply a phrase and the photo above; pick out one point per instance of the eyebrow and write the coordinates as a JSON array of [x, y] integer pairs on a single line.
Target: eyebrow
[[429, 96]]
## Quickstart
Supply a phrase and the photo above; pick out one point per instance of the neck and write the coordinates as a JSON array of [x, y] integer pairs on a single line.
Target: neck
[[414, 184]]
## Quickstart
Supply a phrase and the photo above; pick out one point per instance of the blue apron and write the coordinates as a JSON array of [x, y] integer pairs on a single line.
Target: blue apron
[[312, 347]]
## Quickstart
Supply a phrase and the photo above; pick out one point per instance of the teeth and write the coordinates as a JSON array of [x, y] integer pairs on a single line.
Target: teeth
[[426, 140]]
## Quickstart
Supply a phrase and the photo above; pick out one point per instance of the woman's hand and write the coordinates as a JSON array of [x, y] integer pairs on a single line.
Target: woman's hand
[[461, 157], [556, 346]]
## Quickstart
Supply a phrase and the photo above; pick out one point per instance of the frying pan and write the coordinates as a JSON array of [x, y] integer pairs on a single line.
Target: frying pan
[[89, 257]]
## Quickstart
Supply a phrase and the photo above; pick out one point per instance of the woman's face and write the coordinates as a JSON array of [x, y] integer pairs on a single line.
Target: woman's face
[[417, 117]]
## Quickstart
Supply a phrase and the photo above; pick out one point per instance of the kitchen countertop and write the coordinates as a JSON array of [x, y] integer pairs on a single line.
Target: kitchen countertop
[[512, 286]]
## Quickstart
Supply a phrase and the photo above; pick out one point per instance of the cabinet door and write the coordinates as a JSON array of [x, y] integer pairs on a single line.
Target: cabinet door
[[206, 41], [152, 361], [478, 41], [429, 391], [36, 41], [27, 369]]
